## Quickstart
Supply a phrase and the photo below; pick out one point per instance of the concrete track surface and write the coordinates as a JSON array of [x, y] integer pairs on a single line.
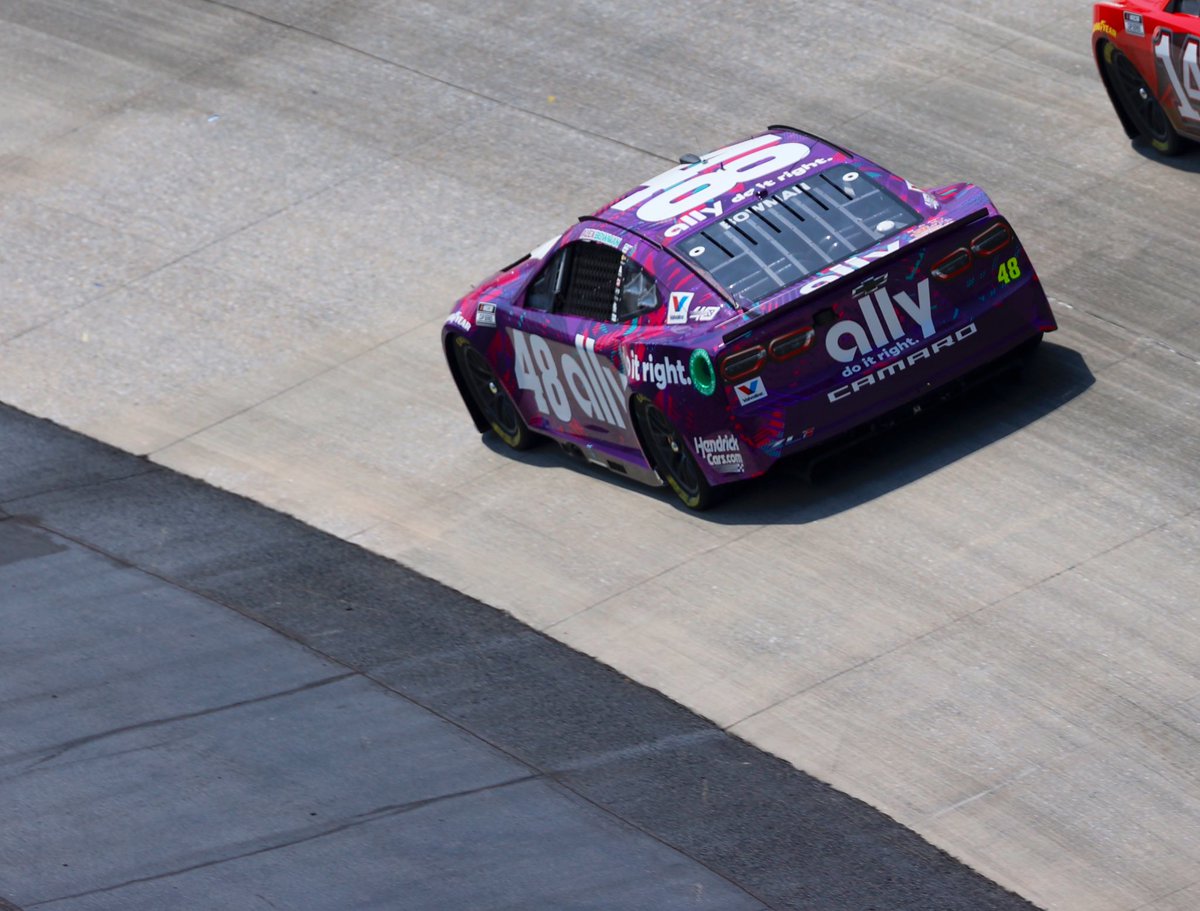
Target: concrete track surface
[[205, 704], [231, 232]]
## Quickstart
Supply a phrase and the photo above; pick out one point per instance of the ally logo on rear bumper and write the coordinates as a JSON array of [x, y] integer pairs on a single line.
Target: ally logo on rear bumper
[[880, 326]]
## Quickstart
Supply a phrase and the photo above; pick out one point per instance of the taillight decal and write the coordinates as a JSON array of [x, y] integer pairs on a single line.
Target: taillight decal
[[953, 265], [743, 364], [791, 344], [993, 240]]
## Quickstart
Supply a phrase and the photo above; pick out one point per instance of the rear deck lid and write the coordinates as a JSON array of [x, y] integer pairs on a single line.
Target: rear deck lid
[[790, 232]]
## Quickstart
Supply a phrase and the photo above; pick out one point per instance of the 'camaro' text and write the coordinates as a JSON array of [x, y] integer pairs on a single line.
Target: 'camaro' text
[[899, 366]]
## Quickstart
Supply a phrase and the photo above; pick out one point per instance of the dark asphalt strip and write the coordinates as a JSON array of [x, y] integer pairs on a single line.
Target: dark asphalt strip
[[787, 839]]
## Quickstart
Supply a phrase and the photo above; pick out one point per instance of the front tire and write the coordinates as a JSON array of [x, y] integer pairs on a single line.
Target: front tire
[[1139, 103], [489, 396], [672, 459]]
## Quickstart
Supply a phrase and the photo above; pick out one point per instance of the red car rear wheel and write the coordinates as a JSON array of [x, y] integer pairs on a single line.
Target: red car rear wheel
[[1142, 108]]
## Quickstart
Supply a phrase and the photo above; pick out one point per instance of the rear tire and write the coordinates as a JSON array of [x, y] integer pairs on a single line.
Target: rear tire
[[489, 396], [1139, 103], [672, 460]]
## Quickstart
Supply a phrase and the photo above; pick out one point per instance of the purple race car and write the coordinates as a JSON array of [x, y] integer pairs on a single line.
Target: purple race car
[[754, 302]]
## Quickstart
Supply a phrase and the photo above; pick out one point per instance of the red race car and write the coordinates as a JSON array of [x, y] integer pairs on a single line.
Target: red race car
[[1148, 52]]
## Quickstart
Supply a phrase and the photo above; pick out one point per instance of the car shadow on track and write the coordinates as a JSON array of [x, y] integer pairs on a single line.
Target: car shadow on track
[[549, 455], [798, 492], [1188, 161]]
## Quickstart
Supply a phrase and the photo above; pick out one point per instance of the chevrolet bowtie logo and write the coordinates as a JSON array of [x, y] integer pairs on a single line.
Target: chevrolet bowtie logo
[[871, 285]]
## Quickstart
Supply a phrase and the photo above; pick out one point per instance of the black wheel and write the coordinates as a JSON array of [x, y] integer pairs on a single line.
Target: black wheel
[[497, 408], [672, 459], [1139, 103]]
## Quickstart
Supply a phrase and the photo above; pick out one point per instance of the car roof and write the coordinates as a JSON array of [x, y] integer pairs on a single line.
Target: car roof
[[681, 200]]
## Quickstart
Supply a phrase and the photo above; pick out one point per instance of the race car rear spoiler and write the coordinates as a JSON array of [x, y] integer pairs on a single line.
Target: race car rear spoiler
[[810, 135]]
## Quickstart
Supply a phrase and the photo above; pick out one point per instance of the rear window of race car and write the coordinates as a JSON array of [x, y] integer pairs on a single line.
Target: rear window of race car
[[793, 232]]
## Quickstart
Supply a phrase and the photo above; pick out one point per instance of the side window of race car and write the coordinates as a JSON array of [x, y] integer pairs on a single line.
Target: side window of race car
[[1187, 7], [581, 280], [594, 281], [638, 294], [545, 291]]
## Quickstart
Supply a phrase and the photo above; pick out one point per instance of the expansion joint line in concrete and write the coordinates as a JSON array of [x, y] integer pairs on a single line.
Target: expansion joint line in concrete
[[964, 618], [289, 840], [1115, 324], [658, 575], [1150, 904], [49, 754], [5, 505], [290, 388], [557, 777]]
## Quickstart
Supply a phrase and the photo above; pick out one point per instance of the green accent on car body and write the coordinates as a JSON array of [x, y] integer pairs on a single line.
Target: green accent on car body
[[704, 377]]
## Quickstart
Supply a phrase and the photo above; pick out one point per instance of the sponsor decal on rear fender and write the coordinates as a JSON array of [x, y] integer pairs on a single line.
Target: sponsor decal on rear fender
[[722, 453], [750, 391], [658, 373], [678, 306]]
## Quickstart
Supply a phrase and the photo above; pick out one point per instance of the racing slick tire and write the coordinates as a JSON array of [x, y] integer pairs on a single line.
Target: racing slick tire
[[1139, 103], [489, 395], [671, 459]]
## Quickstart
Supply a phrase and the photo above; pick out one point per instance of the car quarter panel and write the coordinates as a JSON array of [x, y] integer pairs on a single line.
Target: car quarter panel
[[575, 379]]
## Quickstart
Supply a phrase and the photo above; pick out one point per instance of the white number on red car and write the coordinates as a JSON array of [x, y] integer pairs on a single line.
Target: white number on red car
[[1186, 79]]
